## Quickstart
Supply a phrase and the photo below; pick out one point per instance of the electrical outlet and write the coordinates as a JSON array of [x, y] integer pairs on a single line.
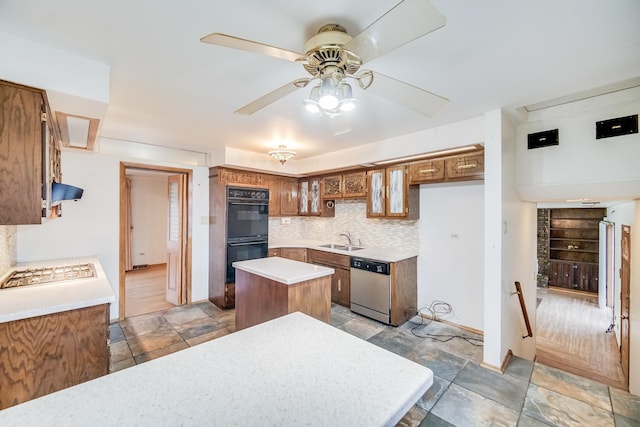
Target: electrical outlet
[[285, 220], [204, 220]]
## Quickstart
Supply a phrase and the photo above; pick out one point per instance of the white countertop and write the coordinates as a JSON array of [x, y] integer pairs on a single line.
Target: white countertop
[[374, 253], [38, 300], [283, 270], [293, 370]]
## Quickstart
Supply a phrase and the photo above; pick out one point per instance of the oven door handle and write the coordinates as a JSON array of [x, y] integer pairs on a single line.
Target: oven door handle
[[247, 244], [249, 203]]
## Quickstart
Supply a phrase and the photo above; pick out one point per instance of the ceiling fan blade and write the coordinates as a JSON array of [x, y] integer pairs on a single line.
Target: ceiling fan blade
[[225, 40], [407, 21], [269, 98], [407, 95]]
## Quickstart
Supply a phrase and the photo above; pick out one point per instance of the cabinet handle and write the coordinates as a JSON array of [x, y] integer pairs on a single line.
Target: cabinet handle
[[467, 166], [339, 285], [424, 171]]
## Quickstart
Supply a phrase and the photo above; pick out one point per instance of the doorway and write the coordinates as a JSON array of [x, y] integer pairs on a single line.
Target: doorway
[[155, 249], [575, 326]]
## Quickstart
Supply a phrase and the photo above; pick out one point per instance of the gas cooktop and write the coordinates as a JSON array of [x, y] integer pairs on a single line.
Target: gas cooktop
[[40, 275]]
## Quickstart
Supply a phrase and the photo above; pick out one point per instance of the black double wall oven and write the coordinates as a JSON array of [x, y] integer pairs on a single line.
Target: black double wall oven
[[247, 226]]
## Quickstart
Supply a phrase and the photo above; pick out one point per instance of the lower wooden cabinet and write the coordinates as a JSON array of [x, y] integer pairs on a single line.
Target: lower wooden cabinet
[[296, 254], [43, 354], [340, 280], [574, 275]]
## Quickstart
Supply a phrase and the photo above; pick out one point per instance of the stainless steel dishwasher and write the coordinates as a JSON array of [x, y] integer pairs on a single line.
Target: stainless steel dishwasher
[[371, 289]]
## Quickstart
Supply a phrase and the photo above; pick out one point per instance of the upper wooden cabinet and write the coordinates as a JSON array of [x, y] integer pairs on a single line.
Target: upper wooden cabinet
[[389, 194], [289, 196], [465, 167], [345, 186], [30, 155], [310, 201], [283, 191], [426, 171]]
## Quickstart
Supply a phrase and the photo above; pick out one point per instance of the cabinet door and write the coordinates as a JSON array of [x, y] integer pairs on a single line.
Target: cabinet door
[[304, 198], [397, 191], [426, 172], [332, 187], [289, 197], [296, 254], [315, 205], [354, 185], [376, 195], [341, 287], [273, 252], [21, 158], [462, 168], [273, 184]]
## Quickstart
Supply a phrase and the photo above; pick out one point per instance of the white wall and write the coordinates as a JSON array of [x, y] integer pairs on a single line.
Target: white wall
[[581, 166], [149, 219], [519, 254], [90, 226], [451, 261]]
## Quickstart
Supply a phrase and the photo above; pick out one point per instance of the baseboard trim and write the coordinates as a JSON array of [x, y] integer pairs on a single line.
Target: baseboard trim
[[446, 322], [503, 366]]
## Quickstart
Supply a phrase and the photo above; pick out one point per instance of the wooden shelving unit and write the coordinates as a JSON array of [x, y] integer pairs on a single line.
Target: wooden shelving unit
[[574, 248]]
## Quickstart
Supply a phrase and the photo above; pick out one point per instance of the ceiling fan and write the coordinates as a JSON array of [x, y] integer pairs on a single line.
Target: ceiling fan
[[332, 56]]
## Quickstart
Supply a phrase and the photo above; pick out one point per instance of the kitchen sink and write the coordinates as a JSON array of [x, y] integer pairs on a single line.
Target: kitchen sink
[[342, 247]]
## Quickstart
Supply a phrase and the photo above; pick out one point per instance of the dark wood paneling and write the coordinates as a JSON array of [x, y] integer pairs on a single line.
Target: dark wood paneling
[[44, 354]]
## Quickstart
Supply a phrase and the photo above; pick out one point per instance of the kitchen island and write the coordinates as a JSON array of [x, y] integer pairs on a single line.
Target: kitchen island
[[54, 333], [267, 288], [293, 370]]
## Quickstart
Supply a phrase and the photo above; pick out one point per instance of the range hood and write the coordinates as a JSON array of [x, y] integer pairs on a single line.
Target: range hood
[[62, 192]]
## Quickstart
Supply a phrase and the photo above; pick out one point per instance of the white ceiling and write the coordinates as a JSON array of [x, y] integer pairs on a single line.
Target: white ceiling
[[169, 89]]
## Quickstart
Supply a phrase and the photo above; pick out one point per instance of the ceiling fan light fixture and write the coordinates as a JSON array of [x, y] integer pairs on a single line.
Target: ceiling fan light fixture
[[347, 101], [282, 154], [329, 94]]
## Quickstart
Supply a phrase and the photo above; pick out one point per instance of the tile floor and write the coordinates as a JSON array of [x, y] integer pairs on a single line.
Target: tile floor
[[463, 393]]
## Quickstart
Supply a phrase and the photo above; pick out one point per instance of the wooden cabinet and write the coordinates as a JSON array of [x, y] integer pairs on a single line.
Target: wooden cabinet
[[465, 167], [296, 254], [404, 290], [310, 202], [289, 196], [30, 158], [283, 191], [389, 194], [345, 186], [426, 172], [574, 248], [340, 281], [273, 252], [43, 354]]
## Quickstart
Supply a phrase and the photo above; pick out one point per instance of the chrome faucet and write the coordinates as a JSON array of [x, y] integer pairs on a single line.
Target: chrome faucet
[[348, 236]]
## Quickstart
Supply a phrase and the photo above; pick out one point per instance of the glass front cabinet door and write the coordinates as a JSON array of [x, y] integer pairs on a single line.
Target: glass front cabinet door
[[376, 196], [387, 192]]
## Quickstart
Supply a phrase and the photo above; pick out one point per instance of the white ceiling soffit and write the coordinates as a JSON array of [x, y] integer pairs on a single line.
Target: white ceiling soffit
[[602, 90]]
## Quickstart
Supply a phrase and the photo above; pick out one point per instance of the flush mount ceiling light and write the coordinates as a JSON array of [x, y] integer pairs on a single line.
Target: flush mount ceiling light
[[282, 154]]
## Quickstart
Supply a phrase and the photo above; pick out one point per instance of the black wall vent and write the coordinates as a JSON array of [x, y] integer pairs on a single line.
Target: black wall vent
[[616, 127], [543, 139]]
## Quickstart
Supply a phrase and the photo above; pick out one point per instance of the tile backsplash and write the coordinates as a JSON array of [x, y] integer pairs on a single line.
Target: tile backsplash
[[8, 247], [351, 216]]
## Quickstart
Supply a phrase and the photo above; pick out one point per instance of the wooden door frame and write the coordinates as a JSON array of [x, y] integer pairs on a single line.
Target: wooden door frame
[[625, 285], [186, 238]]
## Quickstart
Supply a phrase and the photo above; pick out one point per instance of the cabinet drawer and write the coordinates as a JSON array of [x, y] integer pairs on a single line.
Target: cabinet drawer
[[465, 167], [429, 171], [328, 258]]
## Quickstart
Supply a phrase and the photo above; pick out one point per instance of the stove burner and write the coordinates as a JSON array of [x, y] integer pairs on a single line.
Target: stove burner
[[39, 275]]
